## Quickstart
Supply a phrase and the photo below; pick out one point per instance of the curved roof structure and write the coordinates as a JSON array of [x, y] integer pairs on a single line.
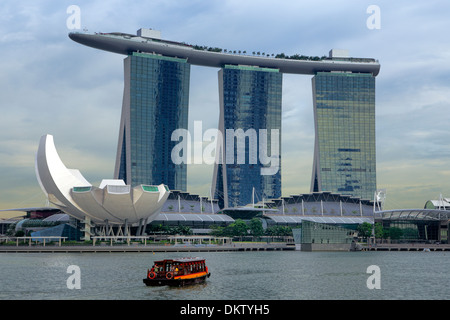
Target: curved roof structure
[[59, 217], [113, 201], [192, 217], [437, 204], [297, 219], [122, 43], [415, 214]]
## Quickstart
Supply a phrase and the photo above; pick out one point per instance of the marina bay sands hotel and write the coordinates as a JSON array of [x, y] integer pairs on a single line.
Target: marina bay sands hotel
[[156, 98]]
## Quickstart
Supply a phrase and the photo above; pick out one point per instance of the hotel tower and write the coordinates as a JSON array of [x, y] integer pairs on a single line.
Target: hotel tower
[[250, 100], [155, 103]]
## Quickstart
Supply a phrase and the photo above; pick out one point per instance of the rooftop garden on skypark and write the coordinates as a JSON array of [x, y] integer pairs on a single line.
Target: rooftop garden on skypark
[[259, 53], [240, 52]]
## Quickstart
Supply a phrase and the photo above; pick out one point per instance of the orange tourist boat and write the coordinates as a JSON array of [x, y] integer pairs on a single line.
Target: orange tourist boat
[[177, 272]]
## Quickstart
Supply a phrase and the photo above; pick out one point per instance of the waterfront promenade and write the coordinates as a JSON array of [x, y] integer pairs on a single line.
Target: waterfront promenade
[[201, 248], [146, 248], [139, 244], [180, 244]]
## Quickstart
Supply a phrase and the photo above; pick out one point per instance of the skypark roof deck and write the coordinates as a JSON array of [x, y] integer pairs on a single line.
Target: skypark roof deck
[[123, 43]]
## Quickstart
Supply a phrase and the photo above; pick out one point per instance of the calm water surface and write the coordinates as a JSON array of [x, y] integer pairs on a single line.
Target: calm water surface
[[267, 275]]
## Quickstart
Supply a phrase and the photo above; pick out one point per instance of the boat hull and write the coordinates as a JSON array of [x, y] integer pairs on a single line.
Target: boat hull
[[177, 282]]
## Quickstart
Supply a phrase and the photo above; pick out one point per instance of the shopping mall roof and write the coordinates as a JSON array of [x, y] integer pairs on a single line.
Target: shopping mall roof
[[297, 219], [415, 214], [193, 217]]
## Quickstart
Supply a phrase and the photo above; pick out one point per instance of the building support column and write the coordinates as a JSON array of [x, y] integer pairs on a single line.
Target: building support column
[[144, 227], [126, 233], [138, 232], [87, 228]]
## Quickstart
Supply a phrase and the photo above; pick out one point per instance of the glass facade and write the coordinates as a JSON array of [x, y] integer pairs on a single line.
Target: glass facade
[[314, 232], [62, 230], [156, 97], [250, 99], [415, 230], [344, 115]]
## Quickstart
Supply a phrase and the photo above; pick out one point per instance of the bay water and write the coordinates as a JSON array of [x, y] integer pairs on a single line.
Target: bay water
[[259, 275]]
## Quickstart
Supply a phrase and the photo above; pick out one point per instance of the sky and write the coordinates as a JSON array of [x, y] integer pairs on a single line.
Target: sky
[[52, 85]]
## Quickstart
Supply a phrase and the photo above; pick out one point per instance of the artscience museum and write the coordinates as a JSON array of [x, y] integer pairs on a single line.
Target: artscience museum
[[111, 203]]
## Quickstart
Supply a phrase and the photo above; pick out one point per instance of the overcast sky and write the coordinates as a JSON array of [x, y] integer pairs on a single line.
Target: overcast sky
[[50, 84]]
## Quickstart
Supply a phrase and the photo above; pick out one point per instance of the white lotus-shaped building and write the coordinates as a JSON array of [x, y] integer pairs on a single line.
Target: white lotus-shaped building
[[112, 202]]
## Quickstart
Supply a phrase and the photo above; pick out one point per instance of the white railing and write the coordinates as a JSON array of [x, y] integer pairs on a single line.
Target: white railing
[[30, 239]]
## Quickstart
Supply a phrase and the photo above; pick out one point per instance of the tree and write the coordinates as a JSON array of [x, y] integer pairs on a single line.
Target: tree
[[278, 231], [379, 231], [20, 233], [217, 231], [11, 231], [395, 233], [256, 228], [365, 230], [159, 228], [239, 228], [182, 230]]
